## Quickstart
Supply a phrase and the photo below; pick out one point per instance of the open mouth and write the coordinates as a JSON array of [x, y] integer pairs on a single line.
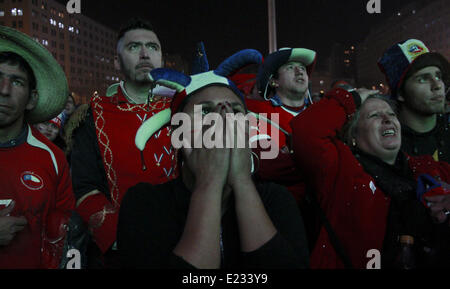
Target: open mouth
[[388, 132], [4, 107]]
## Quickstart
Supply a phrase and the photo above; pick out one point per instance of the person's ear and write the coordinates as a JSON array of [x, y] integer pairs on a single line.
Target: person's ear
[[32, 101], [400, 97], [274, 83]]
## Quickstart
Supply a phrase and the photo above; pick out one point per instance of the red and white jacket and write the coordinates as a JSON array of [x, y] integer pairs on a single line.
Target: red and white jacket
[[36, 175]]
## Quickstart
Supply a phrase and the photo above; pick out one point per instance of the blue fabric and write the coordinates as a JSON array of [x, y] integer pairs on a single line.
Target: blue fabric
[[227, 67], [238, 92], [276, 101], [424, 184], [170, 75], [271, 64], [393, 64], [200, 63], [238, 61]]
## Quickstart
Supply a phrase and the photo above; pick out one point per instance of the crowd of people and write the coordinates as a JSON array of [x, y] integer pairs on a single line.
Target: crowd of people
[[354, 170]]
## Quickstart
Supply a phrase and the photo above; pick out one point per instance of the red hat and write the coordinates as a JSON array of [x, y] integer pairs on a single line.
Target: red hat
[[56, 121]]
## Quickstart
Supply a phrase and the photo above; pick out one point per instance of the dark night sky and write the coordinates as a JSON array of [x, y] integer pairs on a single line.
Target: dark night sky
[[227, 26]]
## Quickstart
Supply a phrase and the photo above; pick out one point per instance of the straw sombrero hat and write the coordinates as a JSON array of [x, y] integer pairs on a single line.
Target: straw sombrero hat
[[51, 82]]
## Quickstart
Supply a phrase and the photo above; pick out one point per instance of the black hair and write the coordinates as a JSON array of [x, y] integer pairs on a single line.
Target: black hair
[[135, 23], [12, 58], [231, 87]]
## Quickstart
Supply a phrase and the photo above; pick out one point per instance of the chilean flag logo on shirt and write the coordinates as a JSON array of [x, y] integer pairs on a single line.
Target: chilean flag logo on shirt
[[31, 180]]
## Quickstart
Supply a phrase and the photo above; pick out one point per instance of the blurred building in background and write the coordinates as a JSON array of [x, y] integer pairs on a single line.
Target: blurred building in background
[[84, 48], [423, 20]]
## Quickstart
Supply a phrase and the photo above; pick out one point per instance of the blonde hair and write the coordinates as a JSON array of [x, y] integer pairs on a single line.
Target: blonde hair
[[349, 130]]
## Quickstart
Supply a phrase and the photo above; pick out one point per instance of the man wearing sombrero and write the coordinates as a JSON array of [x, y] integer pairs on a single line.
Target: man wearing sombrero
[[418, 79], [36, 196], [106, 159], [282, 80]]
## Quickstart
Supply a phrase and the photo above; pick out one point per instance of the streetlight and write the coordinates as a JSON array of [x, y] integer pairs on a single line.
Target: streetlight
[[272, 26]]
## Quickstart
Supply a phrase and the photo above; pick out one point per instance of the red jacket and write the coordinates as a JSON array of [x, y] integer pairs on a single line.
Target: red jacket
[[35, 174], [356, 209]]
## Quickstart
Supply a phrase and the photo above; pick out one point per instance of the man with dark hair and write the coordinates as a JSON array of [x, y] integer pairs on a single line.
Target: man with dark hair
[[36, 196], [15, 60], [418, 79], [132, 24], [106, 159]]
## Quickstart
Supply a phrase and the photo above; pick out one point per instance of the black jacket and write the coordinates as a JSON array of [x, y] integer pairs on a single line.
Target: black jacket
[[152, 220], [417, 144]]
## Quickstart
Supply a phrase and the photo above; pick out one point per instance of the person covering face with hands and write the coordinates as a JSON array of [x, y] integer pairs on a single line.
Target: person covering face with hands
[[213, 215]]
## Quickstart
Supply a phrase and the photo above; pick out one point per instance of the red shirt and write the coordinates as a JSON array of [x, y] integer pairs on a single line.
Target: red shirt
[[34, 174]]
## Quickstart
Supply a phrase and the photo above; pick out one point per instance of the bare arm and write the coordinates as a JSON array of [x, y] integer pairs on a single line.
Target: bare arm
[[205, 172], [255, 226], [200, 243]]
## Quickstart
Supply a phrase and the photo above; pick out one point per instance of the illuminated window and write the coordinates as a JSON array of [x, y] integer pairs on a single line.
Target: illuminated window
[[2, 13], [14, 12], [60, 25], [19, 12]]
